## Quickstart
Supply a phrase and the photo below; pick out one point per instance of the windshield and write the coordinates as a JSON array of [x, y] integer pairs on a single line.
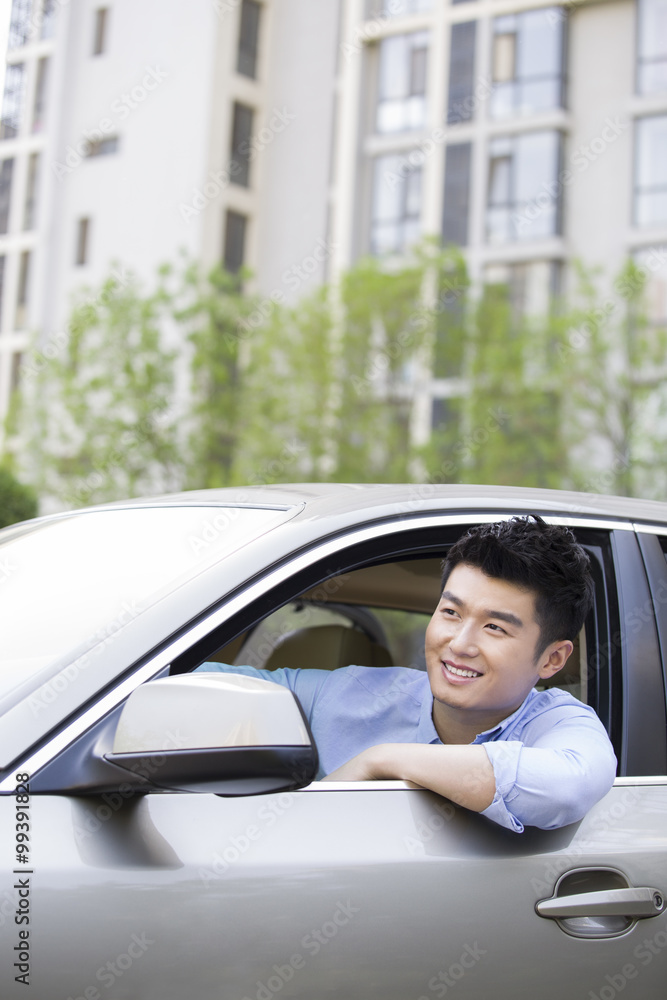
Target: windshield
[[70, 585]]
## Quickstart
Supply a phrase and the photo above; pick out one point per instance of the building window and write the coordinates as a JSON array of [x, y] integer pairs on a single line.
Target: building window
[[524, 198], [22, 295], [446, 413], [2, 285], [241, 147], [102, 147], [15, 376], [6, 173], [82, 241], [651, 46], [48, 19], [396, 205], [402, 82], [246, 62], [530, 286], [652, 263], [12, 101], [39, 106], [29, 214], [100, 31], [528, 62], [235, 235], [651, 184], [396, 8], [457, 194], [19, 24], [461, 72]]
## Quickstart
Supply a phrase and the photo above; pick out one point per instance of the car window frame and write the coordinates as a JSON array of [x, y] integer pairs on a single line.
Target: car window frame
[[652, 541], [643, 745], [282, 583]]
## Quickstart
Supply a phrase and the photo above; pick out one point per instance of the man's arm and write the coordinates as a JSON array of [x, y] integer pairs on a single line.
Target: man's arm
[[552, 783], [463, 774]]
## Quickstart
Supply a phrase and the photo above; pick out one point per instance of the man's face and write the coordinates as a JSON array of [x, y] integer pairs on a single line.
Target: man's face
[[480, 647]]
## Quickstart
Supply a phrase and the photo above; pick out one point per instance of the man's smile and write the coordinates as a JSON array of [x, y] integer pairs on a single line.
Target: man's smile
[[455, 673]]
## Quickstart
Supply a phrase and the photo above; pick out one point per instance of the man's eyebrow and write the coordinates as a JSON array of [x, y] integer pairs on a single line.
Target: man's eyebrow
[[503, 616]]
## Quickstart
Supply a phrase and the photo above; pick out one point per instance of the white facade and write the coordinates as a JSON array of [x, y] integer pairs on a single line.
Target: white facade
[[134, 155], [113, 156]]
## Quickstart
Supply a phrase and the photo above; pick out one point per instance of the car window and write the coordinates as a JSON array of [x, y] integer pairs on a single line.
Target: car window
[[387, 583], [399, 596], [165, 547], [400, 632], [271, 633], [405, 631]]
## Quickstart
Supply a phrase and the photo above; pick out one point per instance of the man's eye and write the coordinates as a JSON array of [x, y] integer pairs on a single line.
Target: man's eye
[[495, 627]]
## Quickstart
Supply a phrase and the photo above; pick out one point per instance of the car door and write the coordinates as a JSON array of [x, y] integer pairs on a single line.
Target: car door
[[354, 890]]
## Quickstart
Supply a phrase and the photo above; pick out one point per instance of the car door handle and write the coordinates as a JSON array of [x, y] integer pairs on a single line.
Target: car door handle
[[633, 902]]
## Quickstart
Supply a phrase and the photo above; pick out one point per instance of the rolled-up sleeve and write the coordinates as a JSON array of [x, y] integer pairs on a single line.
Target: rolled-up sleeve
[[551, 777]]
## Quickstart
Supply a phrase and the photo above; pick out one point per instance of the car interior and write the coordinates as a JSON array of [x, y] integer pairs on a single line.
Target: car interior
[[374, 616]]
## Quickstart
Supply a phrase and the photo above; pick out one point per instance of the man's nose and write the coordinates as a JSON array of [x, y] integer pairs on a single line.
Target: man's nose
[[464, 641]]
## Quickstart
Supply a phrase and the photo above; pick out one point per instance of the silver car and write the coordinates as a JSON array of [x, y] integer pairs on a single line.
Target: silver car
[[162, 835]]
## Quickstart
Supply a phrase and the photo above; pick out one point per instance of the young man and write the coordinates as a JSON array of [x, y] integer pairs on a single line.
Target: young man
[[473, 728]]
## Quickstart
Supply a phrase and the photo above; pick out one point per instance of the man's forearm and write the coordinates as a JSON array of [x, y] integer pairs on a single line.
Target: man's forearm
[[463, 774]]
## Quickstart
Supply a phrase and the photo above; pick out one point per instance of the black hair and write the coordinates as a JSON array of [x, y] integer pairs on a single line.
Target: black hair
[[533, 555]]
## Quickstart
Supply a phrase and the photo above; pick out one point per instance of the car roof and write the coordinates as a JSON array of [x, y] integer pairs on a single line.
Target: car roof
[[325, 499], [346, 504]]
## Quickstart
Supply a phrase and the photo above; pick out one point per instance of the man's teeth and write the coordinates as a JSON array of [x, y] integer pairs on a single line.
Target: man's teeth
[[462, 673]]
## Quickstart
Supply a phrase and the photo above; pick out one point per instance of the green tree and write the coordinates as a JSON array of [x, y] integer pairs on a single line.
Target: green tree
[[213, 315], [384, 326], [503, 423], [328, 384], [17, 501], [287, 382], [337, 385], [513, 413], [94, 418], [617, 384]]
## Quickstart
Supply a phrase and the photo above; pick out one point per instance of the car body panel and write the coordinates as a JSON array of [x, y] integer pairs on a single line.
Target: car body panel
[[398, 883], [356, 501]]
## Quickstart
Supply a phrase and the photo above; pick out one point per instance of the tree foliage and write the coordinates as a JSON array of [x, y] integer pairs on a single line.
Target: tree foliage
[[616, 363], [95, 418], [17, 501], [198, 384], [515, 408], [210, 310]]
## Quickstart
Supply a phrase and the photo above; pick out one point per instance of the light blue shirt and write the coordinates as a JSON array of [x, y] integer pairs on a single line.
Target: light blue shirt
[[552, 758]]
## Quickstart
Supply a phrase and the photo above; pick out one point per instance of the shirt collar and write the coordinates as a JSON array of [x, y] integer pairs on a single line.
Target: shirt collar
[[427, 733], [496, 732]]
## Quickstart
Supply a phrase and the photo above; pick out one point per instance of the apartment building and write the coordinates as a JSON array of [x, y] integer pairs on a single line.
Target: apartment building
[[530, 134], [137, 129], [293, 136]]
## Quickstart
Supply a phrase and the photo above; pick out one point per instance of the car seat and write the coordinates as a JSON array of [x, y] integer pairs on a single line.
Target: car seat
[[328, 647]]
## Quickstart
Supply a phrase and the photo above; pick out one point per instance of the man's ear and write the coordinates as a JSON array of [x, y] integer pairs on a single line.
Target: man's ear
[[555, 657]]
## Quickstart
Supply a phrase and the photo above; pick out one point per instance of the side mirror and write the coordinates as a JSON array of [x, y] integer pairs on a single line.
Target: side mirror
[[210, 732]]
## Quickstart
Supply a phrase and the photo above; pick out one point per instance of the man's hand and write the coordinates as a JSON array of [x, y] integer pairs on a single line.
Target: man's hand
[[359, 768], [463, 774]]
